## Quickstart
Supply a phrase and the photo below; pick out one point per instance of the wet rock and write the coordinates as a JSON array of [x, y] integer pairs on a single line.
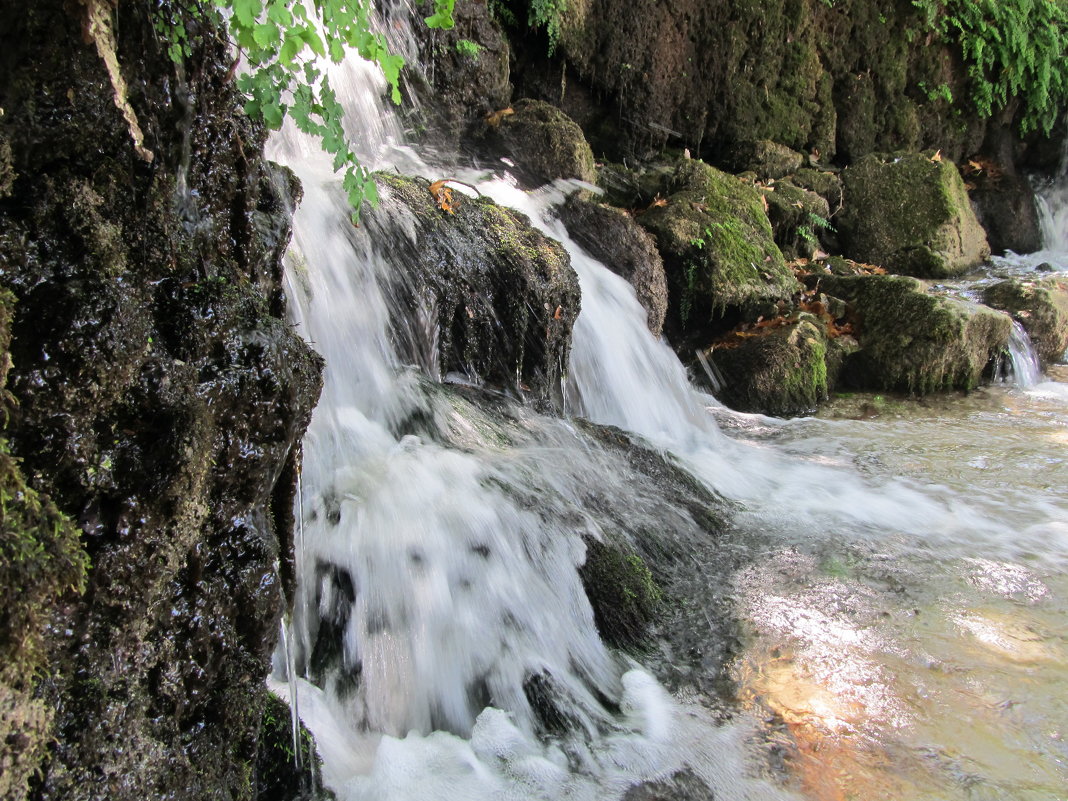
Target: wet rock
[[778, 371], [161, 396], [544, 143], [682, 786], [915, 342], [910, 213], [769, 160], [502, 296], [798, 218], [281, 773], [717, 246], [622, 592], [612, 236], [1005, 207], [466, 72], [1041, 307]]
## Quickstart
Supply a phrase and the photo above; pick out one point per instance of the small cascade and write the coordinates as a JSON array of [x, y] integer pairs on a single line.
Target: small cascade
[[1052, 203], [1023, 359]]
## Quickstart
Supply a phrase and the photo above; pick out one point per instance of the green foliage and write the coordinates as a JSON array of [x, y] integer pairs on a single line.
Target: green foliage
[[465, 47], [281, 41], [1013, 49]]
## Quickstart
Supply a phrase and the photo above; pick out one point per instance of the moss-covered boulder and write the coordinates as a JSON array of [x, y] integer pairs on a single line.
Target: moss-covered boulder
[[501, 296], [621, 590], [1041, 306], [767, 159], [718, 248], [824, 183], [612, 237], [799, 218], [544, 143], [915, 342], [467, 76], [778, 370], [910, 213]]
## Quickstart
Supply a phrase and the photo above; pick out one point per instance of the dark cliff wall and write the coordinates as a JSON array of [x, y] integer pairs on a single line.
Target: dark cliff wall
[[158, 397]]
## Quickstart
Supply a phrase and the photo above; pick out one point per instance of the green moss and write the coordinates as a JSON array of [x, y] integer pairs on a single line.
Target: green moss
[[281, 772], [622, 591], [1042, 309], [910, 213], [717, 246]]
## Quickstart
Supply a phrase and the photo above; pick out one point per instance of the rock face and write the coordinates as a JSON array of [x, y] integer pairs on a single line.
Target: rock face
[[910, 213], [466, 71], [544, 143], [502, 296], [1041, 307], [612, 236], [717, 246], [160, 400], [911, 341]]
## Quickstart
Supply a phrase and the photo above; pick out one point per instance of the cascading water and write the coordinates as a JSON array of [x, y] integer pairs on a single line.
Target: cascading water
[[445, 642]]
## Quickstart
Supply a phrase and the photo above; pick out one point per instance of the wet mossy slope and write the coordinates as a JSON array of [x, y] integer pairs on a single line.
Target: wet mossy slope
[[157, 398]]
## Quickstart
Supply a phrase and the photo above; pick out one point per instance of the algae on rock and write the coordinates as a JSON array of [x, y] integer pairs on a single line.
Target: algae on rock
[[910, 213], [1041, 306]]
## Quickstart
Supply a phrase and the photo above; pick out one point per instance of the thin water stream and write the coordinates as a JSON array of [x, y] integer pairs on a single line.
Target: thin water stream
[[894, 583]]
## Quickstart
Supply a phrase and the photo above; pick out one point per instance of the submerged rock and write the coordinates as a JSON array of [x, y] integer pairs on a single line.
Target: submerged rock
[[612, 236], [910, 213], [501, 296], [717, 247], [544, 143], [1042, 309], [915, 342]]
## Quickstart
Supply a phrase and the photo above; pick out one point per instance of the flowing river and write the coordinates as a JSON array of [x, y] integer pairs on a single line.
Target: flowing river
[[884, 617]]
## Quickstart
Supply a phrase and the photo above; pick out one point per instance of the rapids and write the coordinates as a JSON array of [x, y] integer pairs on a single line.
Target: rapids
[[893, 583]]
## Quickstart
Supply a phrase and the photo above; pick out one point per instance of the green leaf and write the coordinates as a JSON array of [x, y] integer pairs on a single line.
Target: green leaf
[[246, 12], [291, 47], [265, 34], [273, 114]]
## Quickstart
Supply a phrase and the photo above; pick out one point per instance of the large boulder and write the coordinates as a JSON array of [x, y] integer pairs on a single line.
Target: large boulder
[[718, 249], [1005, 207], [798, 216], [777, 370], [544, 143], [1041, 306], [612, 237], [501, 296], [913, 341], [910, 213]]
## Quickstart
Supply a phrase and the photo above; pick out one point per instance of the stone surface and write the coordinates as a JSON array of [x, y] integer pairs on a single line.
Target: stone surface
[[544, 143], [613, 237], [915, 342], [1041, 306], [502, 296], [717, 246], [910, 213], [799, 218]]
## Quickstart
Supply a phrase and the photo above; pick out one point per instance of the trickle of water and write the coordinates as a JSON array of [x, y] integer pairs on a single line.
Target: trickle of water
[[1026, 371]]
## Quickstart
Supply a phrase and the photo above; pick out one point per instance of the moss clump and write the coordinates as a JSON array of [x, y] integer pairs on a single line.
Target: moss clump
[[41, 558], [282, 773], [915, 342], [1042, 309], [717, 246], [910, 213], [623, 593], [782, 371]]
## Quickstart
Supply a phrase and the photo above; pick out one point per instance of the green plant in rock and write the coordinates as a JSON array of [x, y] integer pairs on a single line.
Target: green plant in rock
[[815, 223], [1013, 49], [469, 49], [544, 14], [282, 43]]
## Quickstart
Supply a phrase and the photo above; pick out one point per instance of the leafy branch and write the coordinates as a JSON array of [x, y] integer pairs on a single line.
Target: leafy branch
[[283, 43]]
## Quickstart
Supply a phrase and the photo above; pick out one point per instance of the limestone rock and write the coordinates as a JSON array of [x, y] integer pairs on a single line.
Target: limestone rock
[[1041, 306], [544, 143], [717, 246], [612, 236], [910, 213], [912, 341]]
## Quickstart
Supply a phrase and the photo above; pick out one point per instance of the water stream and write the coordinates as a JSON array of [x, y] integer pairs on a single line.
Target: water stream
[[890, 593]]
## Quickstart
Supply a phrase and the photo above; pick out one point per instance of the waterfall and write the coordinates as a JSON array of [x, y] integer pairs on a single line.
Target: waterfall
[[1023, 359], [1052, 201], [440, 619]]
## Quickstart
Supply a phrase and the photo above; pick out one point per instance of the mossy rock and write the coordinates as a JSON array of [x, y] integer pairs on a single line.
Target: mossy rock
[[825, 184], [915, 342], [1042, 309], [768, 159], [544, 143], [779, 371], [910, 213], [799, 217], [277, 773], [502, 296], [718, 248], [623, 593], [612, 237]]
